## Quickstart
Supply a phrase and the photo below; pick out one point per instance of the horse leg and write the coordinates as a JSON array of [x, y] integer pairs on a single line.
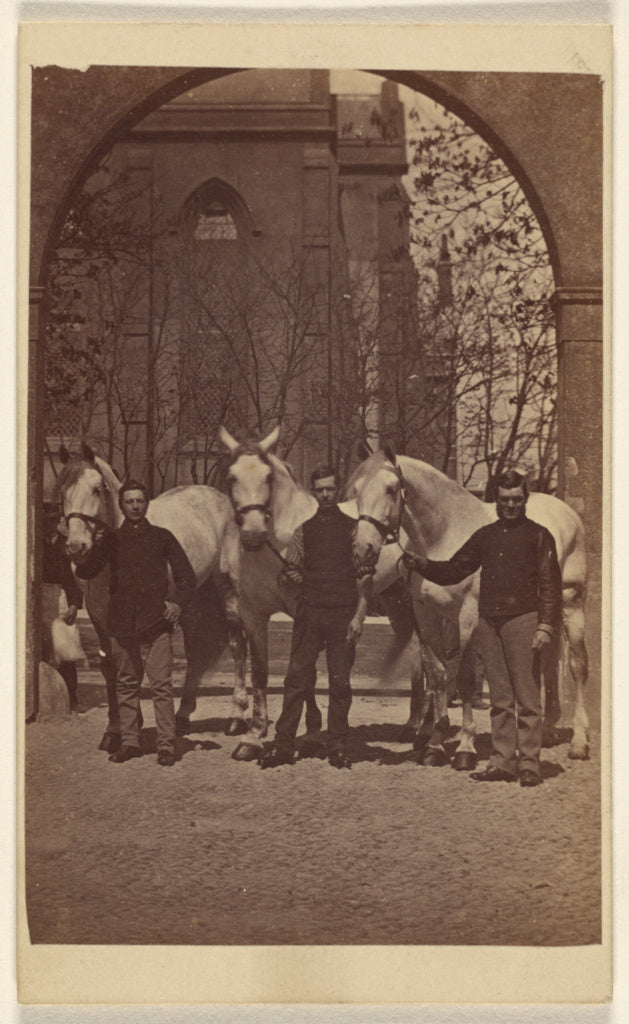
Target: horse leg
[[436, 702], [312, 743], [240, 700], [578, 662], [418, 695], [549, 666], [397, 603], [111, 740], [250, 747], [465, 757], [238, 646], [202, 624]]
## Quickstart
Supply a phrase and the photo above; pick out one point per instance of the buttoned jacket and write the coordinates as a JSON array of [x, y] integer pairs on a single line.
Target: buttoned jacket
[[519, 570], [139, 557]]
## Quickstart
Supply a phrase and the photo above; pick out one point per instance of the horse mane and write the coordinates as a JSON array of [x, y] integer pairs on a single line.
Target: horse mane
[[218, 475], [108, 474], [69, 474], [360, 471]]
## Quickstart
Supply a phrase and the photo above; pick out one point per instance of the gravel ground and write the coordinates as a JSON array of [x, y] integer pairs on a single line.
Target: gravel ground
[[216, 851]]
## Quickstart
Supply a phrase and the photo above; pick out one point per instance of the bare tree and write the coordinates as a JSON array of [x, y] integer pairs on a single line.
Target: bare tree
[[485, 283]]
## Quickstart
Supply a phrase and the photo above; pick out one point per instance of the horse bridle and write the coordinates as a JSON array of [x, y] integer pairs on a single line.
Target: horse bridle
[[242, 511], [389, 534], [92, 522]]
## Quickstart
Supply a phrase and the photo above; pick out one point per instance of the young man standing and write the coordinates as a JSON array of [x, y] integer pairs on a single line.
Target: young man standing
[[520, 612], [141, 618], [334, 596]]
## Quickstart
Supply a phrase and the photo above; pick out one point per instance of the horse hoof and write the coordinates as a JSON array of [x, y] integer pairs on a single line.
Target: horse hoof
[[182, 726], [464, 761], [550, 737], [110, 742], [246, 752], [434, 758], [236, 727], [579, 753]]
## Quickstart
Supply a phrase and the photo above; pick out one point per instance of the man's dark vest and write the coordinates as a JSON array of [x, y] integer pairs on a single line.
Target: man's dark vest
[[329, 576]]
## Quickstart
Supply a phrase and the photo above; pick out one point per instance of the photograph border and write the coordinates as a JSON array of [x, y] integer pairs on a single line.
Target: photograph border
[[322, 49]]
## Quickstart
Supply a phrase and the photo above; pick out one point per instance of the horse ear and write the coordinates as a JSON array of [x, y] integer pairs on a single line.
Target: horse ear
[[64, 454], [269, 442], [88, 454], [364, 450], [226, 439], [389, 452]]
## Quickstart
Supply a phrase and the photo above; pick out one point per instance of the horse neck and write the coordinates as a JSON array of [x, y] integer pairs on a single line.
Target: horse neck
[[438, 512], [113, 515], [291, 505]]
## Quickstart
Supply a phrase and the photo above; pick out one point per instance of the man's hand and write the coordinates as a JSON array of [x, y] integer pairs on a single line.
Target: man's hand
[[354, 630], [71, 614], [172, 612], [415, 562], [541, 639]]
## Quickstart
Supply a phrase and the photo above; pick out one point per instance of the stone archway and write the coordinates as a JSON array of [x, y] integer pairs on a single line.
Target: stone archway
[[554, 150]]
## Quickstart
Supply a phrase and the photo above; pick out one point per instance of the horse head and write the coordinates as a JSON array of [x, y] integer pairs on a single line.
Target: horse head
[[249, 484], [86, 498], [378, 487]]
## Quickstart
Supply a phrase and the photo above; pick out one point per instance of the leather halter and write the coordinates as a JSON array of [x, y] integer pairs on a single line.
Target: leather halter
[[88, 520], [92, 522], [242, 511], [390, 534]]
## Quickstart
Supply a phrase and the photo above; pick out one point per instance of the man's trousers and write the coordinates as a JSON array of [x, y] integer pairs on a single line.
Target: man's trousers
[[315, 629], [133, 658], [513, 673]]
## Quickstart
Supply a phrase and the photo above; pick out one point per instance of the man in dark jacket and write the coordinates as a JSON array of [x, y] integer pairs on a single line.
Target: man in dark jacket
[[334, 596], [520, 612], [141, 618], [57, 576]]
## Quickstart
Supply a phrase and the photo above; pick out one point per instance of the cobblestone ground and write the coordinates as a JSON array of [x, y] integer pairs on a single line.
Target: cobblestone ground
[[215, 851]]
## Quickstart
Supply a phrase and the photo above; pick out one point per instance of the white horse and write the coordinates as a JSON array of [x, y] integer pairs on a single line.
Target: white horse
[[201, 519], [439, 515], [269, 506]]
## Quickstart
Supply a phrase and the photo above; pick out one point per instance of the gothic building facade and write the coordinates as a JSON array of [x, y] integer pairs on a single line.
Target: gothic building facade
[[259, 272]]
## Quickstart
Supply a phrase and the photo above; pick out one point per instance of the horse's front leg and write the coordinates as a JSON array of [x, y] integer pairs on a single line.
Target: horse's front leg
[[412, 727], [466, 757], [240, 700], [250, 747], [435, 711], [203, 628], [111, 739]]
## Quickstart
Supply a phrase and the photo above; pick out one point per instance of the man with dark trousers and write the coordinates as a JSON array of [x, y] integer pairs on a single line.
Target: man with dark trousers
[[334, 596], [520, 612], [57, 576], [141, 618]]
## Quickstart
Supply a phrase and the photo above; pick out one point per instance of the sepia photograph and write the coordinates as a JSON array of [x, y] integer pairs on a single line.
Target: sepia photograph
[[315, 558]]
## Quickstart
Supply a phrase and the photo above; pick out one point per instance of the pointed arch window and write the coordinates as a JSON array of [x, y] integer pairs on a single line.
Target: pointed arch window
[[215, 223], [215, 212]]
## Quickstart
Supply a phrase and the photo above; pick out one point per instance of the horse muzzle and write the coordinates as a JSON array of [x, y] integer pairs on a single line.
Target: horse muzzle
[[253, 540]]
